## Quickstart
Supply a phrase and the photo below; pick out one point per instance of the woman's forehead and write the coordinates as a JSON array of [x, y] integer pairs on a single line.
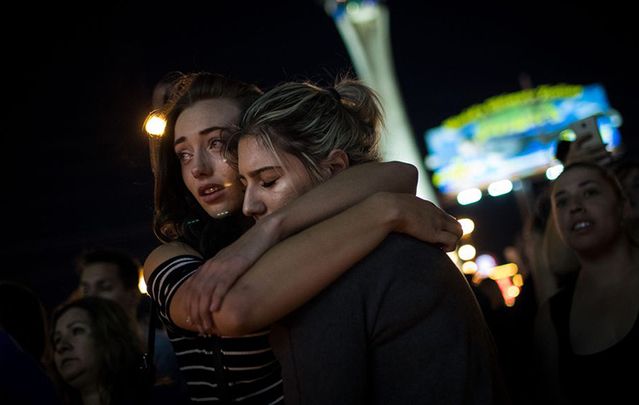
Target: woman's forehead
[[577, 177], [73, 314], [254, 153], [579, 171], [207, 113]]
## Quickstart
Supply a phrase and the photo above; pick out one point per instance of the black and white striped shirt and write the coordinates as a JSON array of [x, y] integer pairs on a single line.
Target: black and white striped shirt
[[217, 369]]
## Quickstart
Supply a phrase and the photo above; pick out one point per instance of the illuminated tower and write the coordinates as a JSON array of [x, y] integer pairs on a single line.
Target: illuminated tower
[[364, 28]]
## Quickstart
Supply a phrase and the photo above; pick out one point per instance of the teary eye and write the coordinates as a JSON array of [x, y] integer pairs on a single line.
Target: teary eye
[[184, 156], [216, 144]]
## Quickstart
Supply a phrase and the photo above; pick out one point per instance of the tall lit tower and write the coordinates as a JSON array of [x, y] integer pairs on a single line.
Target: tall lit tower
[[364, 28]]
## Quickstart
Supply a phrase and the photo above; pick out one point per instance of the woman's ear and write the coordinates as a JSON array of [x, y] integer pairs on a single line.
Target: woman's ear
[[336, 161]]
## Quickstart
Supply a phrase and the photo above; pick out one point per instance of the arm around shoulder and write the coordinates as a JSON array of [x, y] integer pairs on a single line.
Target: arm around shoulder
[[344, 190], [297, 269]]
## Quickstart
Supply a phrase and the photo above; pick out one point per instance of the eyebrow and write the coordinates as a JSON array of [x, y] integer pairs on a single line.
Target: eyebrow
[[76, 322], [259, 171], [56, 333], [205, 131], [582, 184]]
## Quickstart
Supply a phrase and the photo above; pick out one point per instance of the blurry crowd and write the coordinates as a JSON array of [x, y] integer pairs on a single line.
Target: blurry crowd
[[100, 346]]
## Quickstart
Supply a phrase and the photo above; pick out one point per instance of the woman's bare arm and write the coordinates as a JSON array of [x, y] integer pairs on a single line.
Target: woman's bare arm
[[161, 254], [341, 191], [205, 289], [298, 268]]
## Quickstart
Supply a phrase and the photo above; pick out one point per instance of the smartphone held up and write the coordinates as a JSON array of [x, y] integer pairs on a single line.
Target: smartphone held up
[[586, 141]]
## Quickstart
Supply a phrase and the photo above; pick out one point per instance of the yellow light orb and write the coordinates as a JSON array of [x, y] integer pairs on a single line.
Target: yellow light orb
[[469, 267], [466, 252], [141, 283], [467, 224], [155, 125]]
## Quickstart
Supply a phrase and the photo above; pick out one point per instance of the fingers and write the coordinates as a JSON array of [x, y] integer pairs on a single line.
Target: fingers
[[452, 233], [455, 227], [580, 141], [192, 318], [599, 150], [203, 312], [448, 241], [194, 313], [187, 308], [221, 289], [220, 285], [207, 288], [199, 301], [233, 267], [592, 153]]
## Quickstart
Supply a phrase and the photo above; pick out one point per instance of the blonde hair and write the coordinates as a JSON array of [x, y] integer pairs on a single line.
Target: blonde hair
[[308, 122]]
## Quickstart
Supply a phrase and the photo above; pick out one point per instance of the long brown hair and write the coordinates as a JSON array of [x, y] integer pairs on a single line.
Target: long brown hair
[[177, 215]]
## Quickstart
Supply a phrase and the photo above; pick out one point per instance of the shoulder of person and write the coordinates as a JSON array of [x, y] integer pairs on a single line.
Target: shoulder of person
[[398, 244], [411, 255], [165, 252]]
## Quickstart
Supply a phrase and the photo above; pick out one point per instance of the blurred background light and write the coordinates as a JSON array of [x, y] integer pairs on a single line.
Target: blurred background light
[[469, 267], [469, 196], [467, 224], [141, 283], [485, 263], [554, 171], [155, 125], [500, 187], [466, 252]]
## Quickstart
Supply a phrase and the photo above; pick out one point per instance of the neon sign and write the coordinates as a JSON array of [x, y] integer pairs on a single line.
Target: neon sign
[[512, 136]]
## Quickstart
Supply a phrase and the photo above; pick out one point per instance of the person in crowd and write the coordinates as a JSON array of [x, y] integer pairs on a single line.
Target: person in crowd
[[97, 354], [588, 338], [557, 264], [23, 348], [552, 263], [402, 325], [627, 171], [22, 315], [209, 243], [114, 274]]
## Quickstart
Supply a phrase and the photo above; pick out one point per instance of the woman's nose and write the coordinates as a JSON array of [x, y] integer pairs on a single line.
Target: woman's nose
[[202, 166], [253, 206], [63, 345], [575, 205]]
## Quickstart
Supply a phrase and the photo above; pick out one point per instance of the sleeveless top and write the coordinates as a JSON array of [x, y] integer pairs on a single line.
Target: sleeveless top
[[217, 369], [607, 376]]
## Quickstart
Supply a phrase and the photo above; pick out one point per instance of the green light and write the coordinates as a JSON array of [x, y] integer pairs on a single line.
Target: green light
[[567, 135]]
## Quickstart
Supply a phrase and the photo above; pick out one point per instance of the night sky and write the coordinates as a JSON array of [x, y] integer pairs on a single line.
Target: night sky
[[76, 166]]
